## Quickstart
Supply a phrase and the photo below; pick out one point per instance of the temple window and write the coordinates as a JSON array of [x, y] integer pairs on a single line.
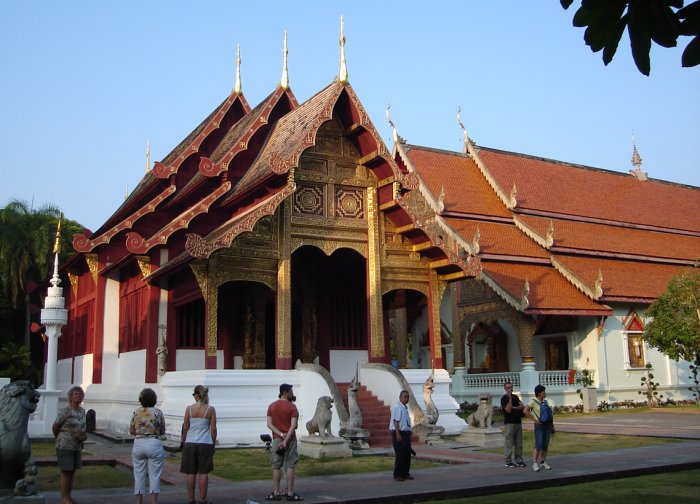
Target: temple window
[[633, 343]]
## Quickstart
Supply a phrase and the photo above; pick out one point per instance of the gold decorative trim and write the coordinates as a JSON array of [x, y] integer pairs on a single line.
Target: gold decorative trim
[[144, 263], [92, 263], [73, 279], [374, 307]]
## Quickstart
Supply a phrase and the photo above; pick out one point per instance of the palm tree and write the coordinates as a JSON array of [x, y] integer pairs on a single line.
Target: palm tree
[[26, 244]]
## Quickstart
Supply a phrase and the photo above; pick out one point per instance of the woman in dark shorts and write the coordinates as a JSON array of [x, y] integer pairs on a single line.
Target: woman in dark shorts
[[198, 438], [69, 431]]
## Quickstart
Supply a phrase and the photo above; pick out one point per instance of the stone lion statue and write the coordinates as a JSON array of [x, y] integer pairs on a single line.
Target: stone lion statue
[[18, 400], [321, 422], [484, 413]]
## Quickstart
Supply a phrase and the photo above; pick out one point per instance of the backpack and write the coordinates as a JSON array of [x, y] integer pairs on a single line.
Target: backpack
[[546, 415]]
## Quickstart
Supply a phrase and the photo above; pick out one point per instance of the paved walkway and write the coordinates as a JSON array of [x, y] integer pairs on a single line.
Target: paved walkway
[[470, 473]]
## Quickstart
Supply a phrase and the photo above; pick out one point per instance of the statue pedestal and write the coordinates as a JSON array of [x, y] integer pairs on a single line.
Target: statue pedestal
[[41, 421], [356, 437], [484, 438], [328, 447], [428, 433], [14, 499]]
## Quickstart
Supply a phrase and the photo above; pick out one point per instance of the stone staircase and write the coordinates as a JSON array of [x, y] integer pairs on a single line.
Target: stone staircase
[[375, 415]]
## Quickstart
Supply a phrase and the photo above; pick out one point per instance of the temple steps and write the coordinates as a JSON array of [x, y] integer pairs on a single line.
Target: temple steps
[[375, 414]]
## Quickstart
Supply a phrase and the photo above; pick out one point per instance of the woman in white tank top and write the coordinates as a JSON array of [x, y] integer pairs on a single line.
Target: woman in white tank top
[[198, 438]]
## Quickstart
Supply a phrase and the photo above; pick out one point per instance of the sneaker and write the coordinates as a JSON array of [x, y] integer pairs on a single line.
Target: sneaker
[[510, 465], [544, 465], [535, 467], [521, 464]]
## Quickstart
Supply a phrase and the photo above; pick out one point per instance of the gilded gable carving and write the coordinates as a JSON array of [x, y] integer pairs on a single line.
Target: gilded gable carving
[[309, 200]]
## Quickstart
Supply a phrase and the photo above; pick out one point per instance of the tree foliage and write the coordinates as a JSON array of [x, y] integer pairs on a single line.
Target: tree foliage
[[26, 254], [675, 328], [646, 21]]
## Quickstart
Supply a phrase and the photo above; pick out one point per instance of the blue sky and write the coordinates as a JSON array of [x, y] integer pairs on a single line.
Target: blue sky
[[86, 84]]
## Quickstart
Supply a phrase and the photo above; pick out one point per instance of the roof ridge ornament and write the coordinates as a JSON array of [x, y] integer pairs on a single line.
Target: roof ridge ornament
[[549, 241], [395, 137], [237, 86], [513, 197], [476, 247], [343, 71], [599, 285], [525, 295], [284, 82], [394, 134], [637, 162], [148, 156], [466, 140]]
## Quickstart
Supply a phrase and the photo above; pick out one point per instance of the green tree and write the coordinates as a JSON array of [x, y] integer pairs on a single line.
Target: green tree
[[26, 254], [675, 328], [646, 21]]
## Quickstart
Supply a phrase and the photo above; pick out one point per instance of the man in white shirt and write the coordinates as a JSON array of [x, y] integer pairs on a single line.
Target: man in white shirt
[[400, 426]]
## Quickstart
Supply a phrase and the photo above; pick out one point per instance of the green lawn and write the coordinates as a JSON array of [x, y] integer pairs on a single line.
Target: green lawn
[[88, 477], [683, 486], [569, 442], [254, 464]]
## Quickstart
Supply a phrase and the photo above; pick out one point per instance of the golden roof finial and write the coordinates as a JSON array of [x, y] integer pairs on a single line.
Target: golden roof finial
[[343, 72], [57, 240], [464, 130], [148, 155], [284, 82], [237, 87]]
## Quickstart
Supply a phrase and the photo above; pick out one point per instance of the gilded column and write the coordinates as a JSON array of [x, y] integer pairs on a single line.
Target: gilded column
[[525, 327], [211, 301], [436, 289], [375, 326], [283, 330]]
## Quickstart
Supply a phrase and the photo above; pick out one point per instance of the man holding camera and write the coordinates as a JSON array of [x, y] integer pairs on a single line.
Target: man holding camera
[[282, 420], [513, 412]]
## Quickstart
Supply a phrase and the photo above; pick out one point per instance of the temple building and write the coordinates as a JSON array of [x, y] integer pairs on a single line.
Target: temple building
[[288, 236]]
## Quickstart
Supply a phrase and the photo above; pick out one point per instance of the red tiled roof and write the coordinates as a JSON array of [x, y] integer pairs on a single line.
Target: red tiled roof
[[549, 290], [588, 237], [554, 186], [497, 238], [622, 279], [466, 189]]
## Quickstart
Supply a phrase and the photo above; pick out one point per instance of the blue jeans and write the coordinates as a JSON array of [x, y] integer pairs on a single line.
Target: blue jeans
[[542, 434]]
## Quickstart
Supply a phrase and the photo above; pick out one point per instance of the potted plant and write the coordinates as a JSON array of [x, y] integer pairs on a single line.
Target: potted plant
[[588, 393]]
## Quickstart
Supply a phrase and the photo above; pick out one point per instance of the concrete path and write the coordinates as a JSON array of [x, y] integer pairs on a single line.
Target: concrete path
[[470, 473]]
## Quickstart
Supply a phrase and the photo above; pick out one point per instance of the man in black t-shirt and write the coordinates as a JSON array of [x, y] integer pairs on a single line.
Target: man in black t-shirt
[[513, 412]]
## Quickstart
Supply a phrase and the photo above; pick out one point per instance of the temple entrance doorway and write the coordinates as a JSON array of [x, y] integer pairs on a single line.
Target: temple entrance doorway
[[246, 325], [406, 328], [488, 348], [329, 309]]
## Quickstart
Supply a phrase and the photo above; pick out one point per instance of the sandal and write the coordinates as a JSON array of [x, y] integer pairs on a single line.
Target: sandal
[[294, 497], [273, 497]]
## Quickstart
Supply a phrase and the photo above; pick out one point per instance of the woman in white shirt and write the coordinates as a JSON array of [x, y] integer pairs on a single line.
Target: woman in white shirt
[[198, 438]]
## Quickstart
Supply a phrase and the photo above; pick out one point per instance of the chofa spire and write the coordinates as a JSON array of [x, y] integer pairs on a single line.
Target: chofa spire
[[237, 86], [284, 82], [343, 71], [148, 155], [637, 162]]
